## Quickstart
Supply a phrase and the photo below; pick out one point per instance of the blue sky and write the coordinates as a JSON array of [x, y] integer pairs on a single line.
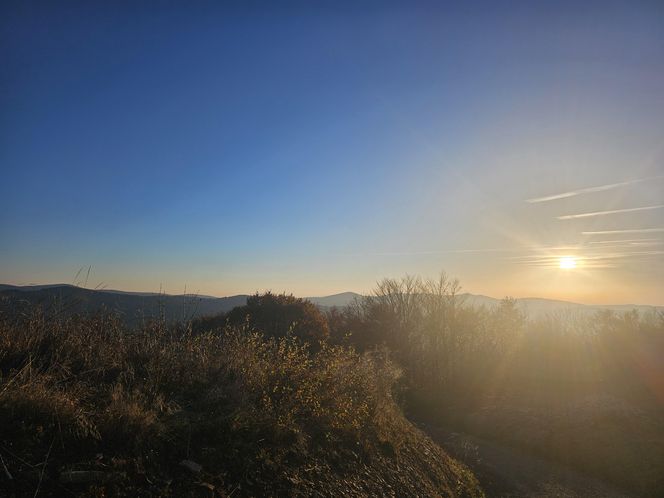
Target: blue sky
[[317, 147]]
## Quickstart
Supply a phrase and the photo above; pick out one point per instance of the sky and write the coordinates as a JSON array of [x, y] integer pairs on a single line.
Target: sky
[[318, 147]]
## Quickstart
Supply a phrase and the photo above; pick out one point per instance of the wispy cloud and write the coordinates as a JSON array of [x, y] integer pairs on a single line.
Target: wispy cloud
[[625, 241], [591, 256], [592, 260], [556, 264], [479, 250], [589, 190], [633, 230], [427, 253], [613, 211]]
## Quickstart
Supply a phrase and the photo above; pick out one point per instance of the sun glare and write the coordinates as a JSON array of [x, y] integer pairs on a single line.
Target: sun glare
[[567, 263]]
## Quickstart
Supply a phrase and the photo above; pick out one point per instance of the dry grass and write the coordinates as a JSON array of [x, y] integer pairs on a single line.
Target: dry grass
[[262, 416]]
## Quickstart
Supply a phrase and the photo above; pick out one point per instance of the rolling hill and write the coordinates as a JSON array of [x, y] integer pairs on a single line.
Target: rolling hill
[[136, 306]]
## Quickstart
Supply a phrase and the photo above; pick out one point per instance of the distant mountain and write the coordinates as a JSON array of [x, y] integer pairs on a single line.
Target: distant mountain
[[28, 288], [535, 306], [136, 306], [532, 306], [132, 306], [338, 300]]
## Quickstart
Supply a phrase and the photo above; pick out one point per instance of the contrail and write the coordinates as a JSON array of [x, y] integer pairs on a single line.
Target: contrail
[[589, 190], [623, 241], [591, 256], [604, 213], [426, 253], [634, 230]]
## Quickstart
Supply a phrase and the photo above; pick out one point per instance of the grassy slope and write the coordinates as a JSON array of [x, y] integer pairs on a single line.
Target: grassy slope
[[262, 417]]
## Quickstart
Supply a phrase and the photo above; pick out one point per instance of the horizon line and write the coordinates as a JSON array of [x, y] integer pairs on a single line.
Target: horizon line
[[208, 296]]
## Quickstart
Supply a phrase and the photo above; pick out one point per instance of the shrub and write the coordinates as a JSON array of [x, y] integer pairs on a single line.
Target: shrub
[[276, 314], [262, 415]]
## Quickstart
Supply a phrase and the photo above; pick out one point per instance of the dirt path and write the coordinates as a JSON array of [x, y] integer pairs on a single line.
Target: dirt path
[[507, 472]]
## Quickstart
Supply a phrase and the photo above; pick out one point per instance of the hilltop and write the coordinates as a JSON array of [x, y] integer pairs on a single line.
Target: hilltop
[[90, 408]]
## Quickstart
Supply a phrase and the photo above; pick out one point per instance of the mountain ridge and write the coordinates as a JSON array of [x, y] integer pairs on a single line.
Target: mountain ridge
[[189, 305]]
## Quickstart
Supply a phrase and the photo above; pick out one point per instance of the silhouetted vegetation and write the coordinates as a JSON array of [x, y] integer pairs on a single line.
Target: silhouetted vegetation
[[91, 408], [275, 397], [585, 390], [275, 315]]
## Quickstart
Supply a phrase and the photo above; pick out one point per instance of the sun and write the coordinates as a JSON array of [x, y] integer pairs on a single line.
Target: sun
[[567, 262]]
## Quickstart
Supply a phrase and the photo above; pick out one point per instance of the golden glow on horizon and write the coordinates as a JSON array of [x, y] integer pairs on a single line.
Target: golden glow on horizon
[[567, 263]]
